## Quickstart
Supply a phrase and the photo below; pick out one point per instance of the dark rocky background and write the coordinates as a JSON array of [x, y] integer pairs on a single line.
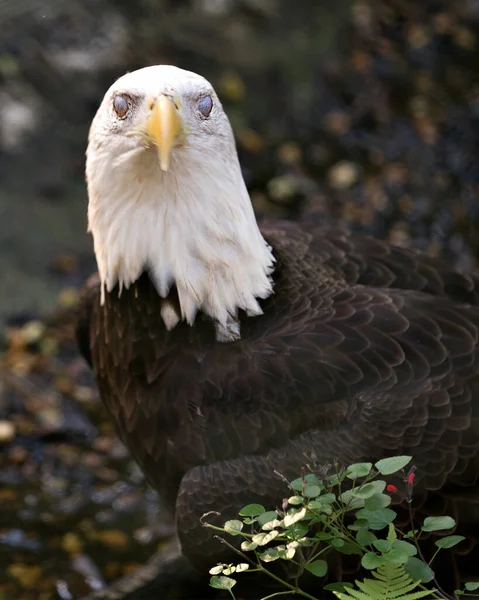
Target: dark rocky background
[[362, 110]]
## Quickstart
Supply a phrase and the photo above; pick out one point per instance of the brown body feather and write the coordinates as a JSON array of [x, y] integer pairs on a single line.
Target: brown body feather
[[363, 351]]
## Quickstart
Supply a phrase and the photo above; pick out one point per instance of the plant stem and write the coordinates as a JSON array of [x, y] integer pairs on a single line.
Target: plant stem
[[222, 530], [318, 554], [276, 594], [232, 594], [231, 547], [290, 587], [440, 591], [434, 556]]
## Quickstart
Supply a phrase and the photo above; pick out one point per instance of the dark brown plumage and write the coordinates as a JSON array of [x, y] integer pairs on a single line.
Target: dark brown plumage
[[364, 351]]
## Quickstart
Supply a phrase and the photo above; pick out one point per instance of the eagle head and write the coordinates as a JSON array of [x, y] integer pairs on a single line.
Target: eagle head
[[167, 196]]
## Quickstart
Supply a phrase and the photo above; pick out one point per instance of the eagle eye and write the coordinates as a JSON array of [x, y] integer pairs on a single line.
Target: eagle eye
[[205, 106], [121, 106]]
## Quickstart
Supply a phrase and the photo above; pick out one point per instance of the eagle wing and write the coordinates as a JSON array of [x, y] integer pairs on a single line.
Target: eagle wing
[[386, 364], [383, 363]]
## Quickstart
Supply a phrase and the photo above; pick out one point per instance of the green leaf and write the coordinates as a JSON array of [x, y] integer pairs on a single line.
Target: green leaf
[[449, 541], [264, 538], [358, 470], [252, 510], [307, 541], [293, 516], [382, 545], [387, 466], [312, 491], [266, 517], [350, 497], [377, 519], [337, 478], [350, 500], [271, 525], [287, 553], [247, 546], [327, 498], [309, 479], [365, 538], [398, 557], [349, 548], [365, 491], [338, 587], [216, 570], [269, 555], [297, 484], [438, 523], [406, 547], [418, 570], [322, 507], [470, 586], [411, 533], [291, 546], [294, 500], [371, 561], [298, 530], [377, 501], [317, 567], [359, 524], [233, 527], [392, 536], [379, 484], [323, 536], [337, 543], [242, 567], [222, 583]]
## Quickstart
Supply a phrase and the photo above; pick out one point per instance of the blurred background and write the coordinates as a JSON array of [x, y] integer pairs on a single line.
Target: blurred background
[[361, 110]]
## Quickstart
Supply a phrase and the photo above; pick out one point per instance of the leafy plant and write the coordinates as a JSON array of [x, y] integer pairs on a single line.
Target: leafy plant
[[390, 582], [348, 511]]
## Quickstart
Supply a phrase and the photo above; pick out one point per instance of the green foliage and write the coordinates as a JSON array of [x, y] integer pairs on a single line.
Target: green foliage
[[391, 582], [388, 466], [317, 567], [419, 570], [233, 527], [449, 541], [346, 511], [377, 519], [252, 510], [438, 523]]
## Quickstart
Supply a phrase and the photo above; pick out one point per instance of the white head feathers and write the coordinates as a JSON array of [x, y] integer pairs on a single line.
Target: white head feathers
[[191, 225]]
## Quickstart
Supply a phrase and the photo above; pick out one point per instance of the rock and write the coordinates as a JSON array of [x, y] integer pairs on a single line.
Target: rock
[[7, 431], [343, 175]]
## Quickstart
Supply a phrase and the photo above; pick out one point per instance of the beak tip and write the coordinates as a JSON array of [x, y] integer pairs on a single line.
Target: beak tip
[[164, 126]]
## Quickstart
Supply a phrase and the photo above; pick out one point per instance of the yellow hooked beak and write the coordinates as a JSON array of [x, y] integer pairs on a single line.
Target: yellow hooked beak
[[164, 126]]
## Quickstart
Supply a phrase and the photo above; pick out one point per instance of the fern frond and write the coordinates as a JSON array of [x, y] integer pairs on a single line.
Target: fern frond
[[391, 582], [392, 537]]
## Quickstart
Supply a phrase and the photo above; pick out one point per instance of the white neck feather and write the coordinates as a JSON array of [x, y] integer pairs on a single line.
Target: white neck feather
[[192, 226]]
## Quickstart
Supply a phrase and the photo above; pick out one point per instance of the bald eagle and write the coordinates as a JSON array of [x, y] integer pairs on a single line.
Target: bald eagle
[[225, 351]]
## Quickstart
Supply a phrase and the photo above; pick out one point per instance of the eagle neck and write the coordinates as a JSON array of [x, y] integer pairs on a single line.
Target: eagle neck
[[190, 227]]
